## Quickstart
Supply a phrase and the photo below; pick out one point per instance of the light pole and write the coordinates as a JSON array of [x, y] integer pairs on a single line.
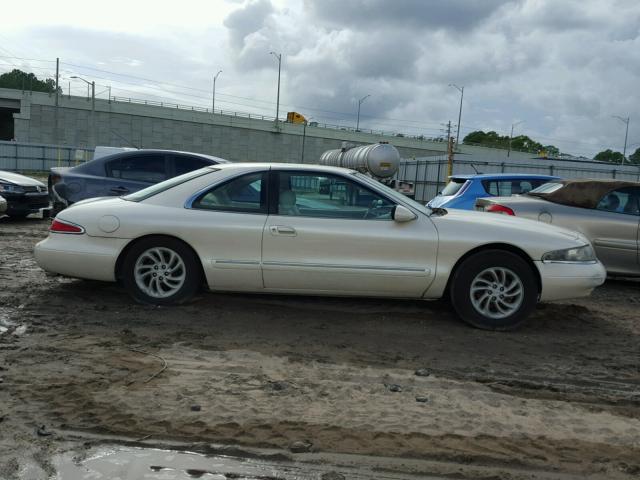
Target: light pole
[[279, 57], [626, 134], [461, 90], [93, 91], [360, 103], [93, 104], [511, 136], [213, 97]]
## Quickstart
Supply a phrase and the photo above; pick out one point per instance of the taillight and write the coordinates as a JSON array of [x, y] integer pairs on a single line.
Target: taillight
[[60, 226], [55, 179], [500, 209]]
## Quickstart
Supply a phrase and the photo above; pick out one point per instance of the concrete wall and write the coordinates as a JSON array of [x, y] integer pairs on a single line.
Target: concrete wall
[[232, 137]]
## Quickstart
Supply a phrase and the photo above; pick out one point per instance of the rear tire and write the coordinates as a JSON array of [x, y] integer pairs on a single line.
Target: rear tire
[[161, 271], [494, 290]]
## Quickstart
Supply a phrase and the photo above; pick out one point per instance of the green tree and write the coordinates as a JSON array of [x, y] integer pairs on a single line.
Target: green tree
[[609, 155], [19, 80], [521, 142], [635, 157]]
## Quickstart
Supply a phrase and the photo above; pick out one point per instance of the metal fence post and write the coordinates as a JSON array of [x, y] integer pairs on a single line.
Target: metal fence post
[[44, 155], [16, 151]]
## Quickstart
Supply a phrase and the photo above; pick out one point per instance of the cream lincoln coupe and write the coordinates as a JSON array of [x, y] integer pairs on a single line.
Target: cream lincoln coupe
[[316, 230]]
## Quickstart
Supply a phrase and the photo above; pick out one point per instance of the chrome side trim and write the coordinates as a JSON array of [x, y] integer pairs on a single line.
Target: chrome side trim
[[236, 262], [349, 267]]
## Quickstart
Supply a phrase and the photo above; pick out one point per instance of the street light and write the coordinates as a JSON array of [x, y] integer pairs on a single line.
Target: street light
[[213, 101], [360, 103], [279, 57], [93, 90], [511, 136], [461, 90], [626, 133]]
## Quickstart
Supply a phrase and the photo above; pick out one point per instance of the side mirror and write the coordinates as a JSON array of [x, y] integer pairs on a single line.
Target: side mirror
[[403, 214]]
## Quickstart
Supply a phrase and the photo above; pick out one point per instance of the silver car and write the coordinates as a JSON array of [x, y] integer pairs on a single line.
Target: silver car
[[607, 212]]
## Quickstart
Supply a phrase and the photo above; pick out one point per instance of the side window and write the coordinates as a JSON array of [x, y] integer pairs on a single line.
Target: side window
[[623, 200], [329, 196], [184, 163], [506, 188], [241, 194], [139, 168]]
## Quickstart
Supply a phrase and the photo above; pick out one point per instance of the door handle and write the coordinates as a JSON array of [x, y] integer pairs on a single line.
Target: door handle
[[120, 190], [282, 230]]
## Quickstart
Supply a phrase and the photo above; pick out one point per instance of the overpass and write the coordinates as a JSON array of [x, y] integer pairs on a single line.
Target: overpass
[[78, 122]]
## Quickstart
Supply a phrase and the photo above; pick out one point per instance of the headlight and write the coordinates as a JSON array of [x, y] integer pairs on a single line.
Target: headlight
[[10, 188], [576, 254]]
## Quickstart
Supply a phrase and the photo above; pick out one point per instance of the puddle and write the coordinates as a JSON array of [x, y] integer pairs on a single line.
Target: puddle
[[133, 463]]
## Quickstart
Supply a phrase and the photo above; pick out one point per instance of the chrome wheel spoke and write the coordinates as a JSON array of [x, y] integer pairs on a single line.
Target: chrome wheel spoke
[[160, 272], [496, 292]]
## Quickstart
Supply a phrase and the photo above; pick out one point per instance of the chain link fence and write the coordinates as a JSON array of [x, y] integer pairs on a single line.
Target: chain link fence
[[33, 157]]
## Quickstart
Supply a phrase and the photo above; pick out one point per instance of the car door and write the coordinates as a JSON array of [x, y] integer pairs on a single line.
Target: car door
[[229, 219], [328, 233], [613, 228], [133, 172]]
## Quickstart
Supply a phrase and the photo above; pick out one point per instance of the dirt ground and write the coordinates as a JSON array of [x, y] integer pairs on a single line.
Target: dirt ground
[[559, 398]]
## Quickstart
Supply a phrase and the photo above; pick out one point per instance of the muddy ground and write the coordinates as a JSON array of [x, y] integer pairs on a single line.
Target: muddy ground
[[559, 398]]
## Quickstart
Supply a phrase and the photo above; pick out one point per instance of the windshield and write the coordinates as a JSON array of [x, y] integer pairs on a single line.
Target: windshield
[[546, 188], [453, 187], [167, 184], [392, 193]]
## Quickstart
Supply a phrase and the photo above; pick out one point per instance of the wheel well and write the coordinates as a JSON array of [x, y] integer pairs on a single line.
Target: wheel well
[[132, 243], [497, 246]]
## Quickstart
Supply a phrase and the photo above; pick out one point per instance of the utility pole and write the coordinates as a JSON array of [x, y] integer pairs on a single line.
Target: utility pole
[[461, 90], [626, 134], [449, 150], [91, 85], [511, 136], [360, 103], [56, 121], [279, 57], [304, 136], [109, 87], [213, 97]]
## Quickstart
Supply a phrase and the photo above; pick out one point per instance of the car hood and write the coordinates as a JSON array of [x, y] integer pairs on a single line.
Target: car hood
[[439, 201], [465, 227], [18, 179]]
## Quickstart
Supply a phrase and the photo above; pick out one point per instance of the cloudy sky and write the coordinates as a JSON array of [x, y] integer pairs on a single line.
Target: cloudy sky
[[563, 68]]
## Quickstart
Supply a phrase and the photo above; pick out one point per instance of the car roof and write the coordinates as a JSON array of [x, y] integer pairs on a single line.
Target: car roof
[[503, 175], [284, 166]]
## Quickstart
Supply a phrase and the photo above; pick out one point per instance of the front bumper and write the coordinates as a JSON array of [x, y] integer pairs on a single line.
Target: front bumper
[[80, 256], [561, 281], [25, 203]]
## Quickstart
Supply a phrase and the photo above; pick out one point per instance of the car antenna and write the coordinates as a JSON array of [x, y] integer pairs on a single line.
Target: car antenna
[[474, 167], [123, 138]]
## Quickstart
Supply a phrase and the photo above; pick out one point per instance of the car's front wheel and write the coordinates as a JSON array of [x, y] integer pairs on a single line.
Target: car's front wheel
[[494, 290], [161, 271]]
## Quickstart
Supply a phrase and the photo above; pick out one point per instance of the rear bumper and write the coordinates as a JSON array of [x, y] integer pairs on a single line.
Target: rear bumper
[[561, 281], [80, 256]]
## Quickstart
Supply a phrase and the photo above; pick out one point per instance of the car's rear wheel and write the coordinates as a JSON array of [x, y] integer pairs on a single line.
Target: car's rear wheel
[[161, 271], [494, 290]]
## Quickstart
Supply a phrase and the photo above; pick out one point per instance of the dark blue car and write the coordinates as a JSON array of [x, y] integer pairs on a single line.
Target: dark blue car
[[121, 174], [463, 190]]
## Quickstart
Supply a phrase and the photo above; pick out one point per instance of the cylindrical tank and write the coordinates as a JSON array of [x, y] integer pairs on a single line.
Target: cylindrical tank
[[379, 159]]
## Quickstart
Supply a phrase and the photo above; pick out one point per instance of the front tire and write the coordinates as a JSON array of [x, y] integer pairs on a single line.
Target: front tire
[[161, 271], [494, 290]]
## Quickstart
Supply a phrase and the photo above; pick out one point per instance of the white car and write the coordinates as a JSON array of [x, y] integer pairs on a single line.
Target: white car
[[314, 230]]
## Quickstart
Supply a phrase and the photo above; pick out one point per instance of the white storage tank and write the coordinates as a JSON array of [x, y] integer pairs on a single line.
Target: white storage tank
[[380, 160]]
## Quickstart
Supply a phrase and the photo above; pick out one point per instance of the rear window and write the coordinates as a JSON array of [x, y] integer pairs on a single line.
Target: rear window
[[506, 187], [166, 185], [453, 187], [546, 188]]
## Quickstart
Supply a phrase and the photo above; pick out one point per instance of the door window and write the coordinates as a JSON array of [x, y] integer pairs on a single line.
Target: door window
[[184, 164], [623, 200], [242, 194], [329, 196], [139, 168]]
